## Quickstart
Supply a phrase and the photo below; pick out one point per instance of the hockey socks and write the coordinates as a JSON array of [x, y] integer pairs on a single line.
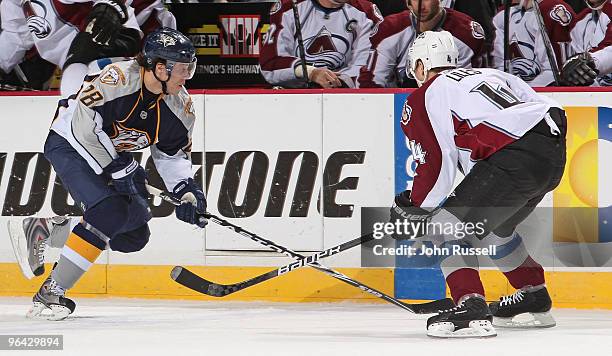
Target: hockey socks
[[529, 273], [463, 282], [514, 261], [80, 251]]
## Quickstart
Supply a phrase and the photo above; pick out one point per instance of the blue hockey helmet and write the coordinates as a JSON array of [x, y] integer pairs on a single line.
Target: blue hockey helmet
[[169, 46]]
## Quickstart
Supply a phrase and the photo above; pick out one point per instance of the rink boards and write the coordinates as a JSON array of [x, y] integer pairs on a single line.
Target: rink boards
[[297, 167]]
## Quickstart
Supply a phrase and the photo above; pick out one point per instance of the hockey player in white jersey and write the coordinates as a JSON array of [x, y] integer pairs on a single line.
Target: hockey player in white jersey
[[527, 49], [73, 33], [336, 36], [509, 142], [386, 66], [591, 61], [126, 107]]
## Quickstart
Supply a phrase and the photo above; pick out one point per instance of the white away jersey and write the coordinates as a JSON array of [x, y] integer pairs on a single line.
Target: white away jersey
[[592, 32], [396, 34], [111, 113], [527, 50], [51, 25], [462, 116], [337, 39]]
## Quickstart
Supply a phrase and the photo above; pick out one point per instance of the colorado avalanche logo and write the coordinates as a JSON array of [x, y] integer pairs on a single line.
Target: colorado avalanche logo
[[406, 114], [379, 18], [326, 49], [38, 25], [477, 30], [560, 14], [277, 6]]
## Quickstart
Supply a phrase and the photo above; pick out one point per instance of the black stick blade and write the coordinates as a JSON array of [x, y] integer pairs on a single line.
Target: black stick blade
[[194, 282], [433, 306]]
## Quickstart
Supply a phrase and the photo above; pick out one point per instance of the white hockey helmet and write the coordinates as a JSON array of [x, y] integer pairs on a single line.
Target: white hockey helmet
[[595, 4], [436, 49]]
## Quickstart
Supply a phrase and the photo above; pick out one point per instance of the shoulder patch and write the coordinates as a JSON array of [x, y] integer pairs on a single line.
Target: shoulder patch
[[112, 76], [189, 106], [406, 114], [379, 17], [277, 6], [477, 30], [560, 14]]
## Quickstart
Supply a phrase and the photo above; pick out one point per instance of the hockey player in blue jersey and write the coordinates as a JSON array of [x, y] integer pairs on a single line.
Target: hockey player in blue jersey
[[126, 107]]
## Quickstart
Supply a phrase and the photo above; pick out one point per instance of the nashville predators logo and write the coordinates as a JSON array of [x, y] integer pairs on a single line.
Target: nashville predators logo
[[326, 49], [560, 14], [167, 40], [112, 76], [188, 109], [127, 139]]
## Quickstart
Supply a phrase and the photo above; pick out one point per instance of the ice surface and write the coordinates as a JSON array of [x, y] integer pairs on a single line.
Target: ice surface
[[113, 327]]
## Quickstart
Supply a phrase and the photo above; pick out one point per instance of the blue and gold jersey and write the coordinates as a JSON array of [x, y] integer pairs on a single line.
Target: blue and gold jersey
[[113, 112]]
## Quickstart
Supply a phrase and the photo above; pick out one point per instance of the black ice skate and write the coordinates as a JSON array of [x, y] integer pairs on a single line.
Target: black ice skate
[[29, 239], [526, 308], [471, 318], [49, 303]]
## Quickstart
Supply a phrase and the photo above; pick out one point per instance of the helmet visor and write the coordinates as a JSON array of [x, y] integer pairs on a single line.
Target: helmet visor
[[184, 70]]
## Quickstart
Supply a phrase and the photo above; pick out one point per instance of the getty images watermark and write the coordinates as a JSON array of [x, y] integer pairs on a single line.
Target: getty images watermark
[[411, 230]]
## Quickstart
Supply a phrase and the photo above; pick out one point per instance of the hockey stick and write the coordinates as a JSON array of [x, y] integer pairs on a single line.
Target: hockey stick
[[547, 44], [184, 276], [507, 57], [418, 24], [194, 282], [300, 40]]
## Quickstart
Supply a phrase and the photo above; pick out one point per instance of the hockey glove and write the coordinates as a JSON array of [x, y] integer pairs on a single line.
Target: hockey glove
[[410, 221], [128, 177], [194, 203], [105, 20], [579, 70]]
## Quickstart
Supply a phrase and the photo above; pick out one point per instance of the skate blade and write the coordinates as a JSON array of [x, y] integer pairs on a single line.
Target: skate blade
[[39, 311], [20, 248], [526, 321], [476, 329]]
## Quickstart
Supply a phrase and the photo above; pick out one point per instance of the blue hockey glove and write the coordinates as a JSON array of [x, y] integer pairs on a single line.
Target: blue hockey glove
[[129, 178], [194, 203], [410, 220]]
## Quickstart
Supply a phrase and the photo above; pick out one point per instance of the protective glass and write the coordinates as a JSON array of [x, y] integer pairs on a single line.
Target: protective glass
[[184, 70]]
